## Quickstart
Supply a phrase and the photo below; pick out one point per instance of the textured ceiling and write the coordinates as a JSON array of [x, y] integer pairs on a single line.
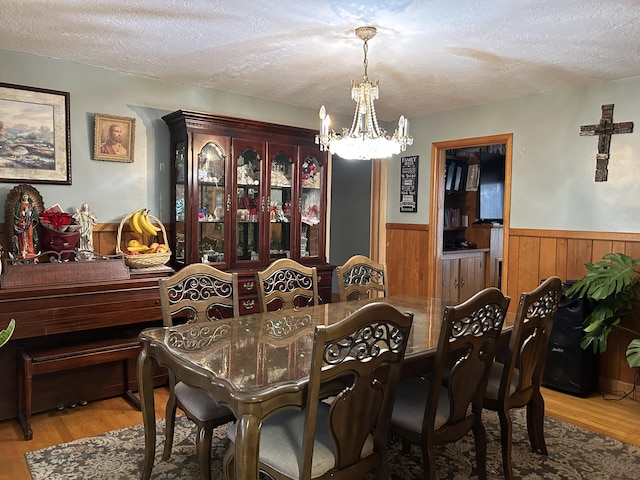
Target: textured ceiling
[[430, 55]]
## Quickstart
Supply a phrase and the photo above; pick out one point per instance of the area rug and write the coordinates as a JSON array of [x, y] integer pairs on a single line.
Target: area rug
[[574, 453]]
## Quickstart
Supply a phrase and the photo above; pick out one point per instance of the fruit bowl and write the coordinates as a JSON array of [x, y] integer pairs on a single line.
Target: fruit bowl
[[143, 260]]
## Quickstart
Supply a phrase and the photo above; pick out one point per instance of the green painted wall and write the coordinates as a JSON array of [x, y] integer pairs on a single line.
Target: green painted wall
[[553, 166]]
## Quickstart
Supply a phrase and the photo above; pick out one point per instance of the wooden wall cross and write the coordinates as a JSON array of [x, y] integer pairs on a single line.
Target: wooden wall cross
[[604, 130]]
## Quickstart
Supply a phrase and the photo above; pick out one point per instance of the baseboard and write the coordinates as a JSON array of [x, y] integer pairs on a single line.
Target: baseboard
[[619, 388]]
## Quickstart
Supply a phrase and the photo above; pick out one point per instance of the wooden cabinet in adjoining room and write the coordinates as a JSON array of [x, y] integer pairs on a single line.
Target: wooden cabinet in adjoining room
[[463, 274], [245, 193]]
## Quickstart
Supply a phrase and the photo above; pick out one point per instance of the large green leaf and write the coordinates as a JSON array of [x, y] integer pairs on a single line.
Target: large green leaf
[[615, 273], [5, 334], [633, 353], [612, 284]]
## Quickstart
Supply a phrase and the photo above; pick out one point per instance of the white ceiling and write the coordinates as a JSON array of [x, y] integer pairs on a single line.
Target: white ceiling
[[430, 55]]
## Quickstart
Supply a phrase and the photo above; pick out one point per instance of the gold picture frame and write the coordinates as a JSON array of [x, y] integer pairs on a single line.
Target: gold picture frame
[[114, 138]]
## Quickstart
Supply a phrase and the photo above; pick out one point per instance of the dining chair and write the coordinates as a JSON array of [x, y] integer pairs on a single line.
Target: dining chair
[[515, 382], [443, 406], [285, 284], [360, 277], [347, 438], [197, 293]]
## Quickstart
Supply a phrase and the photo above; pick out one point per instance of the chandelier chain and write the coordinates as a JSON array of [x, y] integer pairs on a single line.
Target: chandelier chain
[[365, 63]]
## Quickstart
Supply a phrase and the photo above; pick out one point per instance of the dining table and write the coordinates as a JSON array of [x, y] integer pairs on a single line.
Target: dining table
[[258, 364]]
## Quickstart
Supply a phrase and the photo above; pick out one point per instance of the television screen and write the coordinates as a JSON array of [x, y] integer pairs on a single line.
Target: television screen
[[491, 188]]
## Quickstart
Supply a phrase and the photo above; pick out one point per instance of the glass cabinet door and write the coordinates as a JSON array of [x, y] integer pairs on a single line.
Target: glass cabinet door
[[311, 206], [280, 232], [250, 202], [180, 204], [212, 203]]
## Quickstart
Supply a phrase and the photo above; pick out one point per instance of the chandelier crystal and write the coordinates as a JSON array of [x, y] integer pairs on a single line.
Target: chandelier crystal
[[365, 140]]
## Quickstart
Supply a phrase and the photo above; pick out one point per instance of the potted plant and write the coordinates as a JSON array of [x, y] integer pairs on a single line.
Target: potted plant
[[613, 286]]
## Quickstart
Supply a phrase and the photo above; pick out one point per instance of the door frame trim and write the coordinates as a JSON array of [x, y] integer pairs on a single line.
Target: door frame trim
[[436, 214]]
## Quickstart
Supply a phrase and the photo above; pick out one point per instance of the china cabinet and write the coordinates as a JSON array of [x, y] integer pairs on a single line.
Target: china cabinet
[[246, 193]]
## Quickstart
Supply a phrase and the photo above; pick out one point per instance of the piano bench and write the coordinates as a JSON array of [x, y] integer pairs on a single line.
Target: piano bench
[[41, 361]]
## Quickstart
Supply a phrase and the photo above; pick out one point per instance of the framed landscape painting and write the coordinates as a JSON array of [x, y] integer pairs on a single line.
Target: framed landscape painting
[[35, 145]]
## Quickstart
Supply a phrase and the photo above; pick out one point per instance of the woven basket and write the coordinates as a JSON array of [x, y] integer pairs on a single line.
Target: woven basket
[[144, 260]]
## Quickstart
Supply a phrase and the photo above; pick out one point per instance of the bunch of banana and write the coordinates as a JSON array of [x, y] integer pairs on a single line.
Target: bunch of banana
[[135, 246], [140, 223]]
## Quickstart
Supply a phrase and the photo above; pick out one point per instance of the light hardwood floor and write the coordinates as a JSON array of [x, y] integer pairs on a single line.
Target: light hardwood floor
[[606, 414]]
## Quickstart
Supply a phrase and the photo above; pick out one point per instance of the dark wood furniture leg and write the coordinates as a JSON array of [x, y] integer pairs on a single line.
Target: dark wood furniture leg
[[24, 393], [145, 384], [129, 394]]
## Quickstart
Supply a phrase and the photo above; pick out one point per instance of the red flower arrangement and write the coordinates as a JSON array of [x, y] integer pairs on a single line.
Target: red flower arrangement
[[55, 219]]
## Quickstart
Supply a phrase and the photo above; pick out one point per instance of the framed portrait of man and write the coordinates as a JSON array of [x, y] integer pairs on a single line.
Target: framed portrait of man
[[114, 138]]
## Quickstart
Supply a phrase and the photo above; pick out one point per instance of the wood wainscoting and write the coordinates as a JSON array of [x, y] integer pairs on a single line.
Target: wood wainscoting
[[533, 255], [407, 258]]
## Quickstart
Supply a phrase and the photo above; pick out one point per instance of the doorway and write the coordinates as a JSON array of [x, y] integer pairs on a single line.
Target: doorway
[[437, 213]]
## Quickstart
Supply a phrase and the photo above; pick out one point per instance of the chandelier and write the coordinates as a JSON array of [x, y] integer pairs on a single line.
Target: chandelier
[[365, 140]]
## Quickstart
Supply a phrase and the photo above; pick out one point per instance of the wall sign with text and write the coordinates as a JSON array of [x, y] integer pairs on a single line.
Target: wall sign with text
[[409, 184]]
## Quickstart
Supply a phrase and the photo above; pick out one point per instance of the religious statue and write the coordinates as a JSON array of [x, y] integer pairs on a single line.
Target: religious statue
[[86, 219], [25, 235], [22, 209]]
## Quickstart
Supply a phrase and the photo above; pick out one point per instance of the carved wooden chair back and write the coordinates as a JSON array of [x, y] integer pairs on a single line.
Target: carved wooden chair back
[[515, 383], [199, 293], [287, 284], [445, 406], [347, 438], [360, 277]]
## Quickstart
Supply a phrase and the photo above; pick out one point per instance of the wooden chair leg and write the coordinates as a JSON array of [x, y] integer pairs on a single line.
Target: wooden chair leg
[[535, 423], [382, 473], [406, 447], [480, 438], [429, 461], [506, 432], [203, 446], [170, 421]]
